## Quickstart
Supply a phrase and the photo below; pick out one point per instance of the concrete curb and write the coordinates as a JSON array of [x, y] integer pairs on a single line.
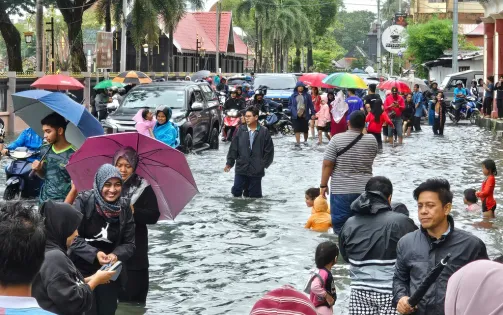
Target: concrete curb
[[491, 124]]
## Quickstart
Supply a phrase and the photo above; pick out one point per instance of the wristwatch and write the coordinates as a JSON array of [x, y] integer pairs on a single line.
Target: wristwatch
[[323, 186]]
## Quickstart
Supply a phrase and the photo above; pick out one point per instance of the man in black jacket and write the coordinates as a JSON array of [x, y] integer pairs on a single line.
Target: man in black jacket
[[418, 252], [368, 242], [252, 151], [234, 103]]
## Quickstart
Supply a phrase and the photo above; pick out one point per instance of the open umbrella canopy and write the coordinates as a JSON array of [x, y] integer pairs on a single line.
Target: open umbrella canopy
[[315, 79], [345, 81], [132, 77], [200, 75], [402, 87], [411, 82], [33, 105], [107, 84], [166, 169], [57, 82]]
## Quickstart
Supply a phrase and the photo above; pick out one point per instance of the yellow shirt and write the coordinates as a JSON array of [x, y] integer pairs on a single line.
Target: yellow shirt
[[319, 222]]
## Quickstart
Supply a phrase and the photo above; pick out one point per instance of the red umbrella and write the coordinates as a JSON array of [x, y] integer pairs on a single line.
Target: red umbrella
[[315, 79], [57, 82], [402, 87]]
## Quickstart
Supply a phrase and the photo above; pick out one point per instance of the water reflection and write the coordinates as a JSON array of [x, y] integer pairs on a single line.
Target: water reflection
[[221, 254]]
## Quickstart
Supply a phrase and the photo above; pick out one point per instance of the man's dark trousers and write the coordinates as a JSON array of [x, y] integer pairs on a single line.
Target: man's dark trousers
[[248, 186]]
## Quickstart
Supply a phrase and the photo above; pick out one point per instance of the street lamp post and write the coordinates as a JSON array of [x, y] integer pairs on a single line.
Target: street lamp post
[[198, 47], [51, 23]]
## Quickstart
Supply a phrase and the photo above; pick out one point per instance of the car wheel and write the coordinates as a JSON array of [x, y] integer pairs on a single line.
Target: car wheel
[[213, 139], [187, 144]]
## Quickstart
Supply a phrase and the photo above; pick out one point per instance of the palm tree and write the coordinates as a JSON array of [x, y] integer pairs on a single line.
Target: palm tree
[[260, 11], [145, 16]]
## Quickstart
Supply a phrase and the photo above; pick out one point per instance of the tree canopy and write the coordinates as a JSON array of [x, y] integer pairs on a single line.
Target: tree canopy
[[352, 28]]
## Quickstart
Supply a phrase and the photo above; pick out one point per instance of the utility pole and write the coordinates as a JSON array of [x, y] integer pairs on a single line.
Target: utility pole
[[455, 38], [40, 35], [399, 6], [123, 37], [218, 37], [379, 37]]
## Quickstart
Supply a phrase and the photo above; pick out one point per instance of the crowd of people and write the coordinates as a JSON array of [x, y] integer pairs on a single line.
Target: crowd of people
[[61, 255]]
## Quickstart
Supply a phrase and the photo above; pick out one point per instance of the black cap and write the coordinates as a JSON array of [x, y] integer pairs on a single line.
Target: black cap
[[394, 89]]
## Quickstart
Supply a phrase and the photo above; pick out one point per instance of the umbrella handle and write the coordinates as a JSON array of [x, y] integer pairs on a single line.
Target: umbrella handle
[[32, 174], [446, 259]]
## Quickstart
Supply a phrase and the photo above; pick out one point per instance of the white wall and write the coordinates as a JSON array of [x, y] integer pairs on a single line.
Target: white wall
[[439, 73]]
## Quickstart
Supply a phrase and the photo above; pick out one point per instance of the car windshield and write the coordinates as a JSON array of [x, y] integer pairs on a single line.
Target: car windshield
[[153, 96], [275, 82]]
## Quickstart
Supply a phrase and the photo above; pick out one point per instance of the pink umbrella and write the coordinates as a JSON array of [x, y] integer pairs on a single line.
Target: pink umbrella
[[165, 168], [315, 79]]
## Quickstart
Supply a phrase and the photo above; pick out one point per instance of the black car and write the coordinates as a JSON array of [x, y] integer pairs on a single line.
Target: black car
[[195, 106]]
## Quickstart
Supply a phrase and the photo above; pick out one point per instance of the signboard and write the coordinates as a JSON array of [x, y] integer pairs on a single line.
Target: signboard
[[104, 46], [401, 19], [394, 39]]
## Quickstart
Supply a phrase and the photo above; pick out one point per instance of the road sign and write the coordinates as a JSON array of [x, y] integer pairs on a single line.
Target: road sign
[[394, 39], [104, 46]]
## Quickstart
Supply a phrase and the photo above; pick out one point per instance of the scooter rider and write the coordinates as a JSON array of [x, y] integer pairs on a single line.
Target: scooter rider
[[258, 101], [460, 94], [29, 139], [222, 86], [234, 102]]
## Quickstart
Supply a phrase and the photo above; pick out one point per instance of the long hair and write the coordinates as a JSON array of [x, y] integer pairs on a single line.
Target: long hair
[[376, 110]]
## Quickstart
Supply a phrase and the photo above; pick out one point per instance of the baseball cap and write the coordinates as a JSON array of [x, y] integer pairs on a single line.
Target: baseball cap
[[284, 300], [394, 89]]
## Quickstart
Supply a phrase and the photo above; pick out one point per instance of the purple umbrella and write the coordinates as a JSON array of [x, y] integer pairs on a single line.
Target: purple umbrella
[[165, 168]]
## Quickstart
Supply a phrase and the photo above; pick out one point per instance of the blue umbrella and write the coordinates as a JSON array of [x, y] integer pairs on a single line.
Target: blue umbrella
[[33, 105]]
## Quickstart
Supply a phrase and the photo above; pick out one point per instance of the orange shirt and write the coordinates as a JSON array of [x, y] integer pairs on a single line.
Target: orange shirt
[[486, 194], [319, 222]]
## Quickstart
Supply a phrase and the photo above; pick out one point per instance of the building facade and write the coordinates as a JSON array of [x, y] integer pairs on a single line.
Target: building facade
[[470, 11], [493, 37]]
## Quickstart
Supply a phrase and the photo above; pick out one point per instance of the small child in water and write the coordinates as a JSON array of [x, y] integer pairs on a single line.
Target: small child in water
[[323, 294], [311, 194], [486, 194], [471, 200], [320, 220]]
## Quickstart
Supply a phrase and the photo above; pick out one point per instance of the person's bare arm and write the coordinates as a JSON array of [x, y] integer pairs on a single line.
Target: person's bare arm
[[326, 172], [70, 198]]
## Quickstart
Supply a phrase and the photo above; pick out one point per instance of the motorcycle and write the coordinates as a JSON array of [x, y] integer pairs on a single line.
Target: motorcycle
[[464, 109], [19, 183], [232, 120], [277, 122]]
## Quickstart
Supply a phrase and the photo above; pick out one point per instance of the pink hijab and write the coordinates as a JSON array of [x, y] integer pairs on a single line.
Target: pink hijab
[[143, 125], [476, 289]]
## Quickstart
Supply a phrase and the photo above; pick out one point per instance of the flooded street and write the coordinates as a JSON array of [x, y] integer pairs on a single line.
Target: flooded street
[[221, 254]]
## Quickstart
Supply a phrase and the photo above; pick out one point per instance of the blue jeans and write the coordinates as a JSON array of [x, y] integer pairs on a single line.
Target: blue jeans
[[340, 210]]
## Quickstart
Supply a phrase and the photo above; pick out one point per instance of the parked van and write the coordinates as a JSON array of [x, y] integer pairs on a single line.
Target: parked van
[[449, 83]]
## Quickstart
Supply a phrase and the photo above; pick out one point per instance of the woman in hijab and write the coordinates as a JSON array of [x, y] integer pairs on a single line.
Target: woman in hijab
[[164, 130], [475, 289], [59, 287], [338, 111], [145, 211], [106, 234]]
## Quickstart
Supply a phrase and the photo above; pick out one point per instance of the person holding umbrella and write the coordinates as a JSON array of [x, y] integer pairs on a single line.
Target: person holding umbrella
[[394, 105], [106, 234], [57, 182], [100, 102], [420, 251], [145, 210]]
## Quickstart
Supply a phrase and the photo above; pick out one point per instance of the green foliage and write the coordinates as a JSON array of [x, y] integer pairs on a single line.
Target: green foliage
[[390, 7], [427, 41], [326, 49], [352, 28]]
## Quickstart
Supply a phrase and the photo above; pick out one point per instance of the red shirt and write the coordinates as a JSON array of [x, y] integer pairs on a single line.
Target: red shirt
[[389, 101], [487, 192], [375, 127], [316, 102]]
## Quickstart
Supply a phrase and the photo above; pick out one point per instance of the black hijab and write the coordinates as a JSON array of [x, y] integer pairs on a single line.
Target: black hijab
[[61, 220]]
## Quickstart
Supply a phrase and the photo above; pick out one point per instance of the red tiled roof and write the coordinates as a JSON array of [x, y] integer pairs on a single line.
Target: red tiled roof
[[186, 32], [205, 24], [208, 20]]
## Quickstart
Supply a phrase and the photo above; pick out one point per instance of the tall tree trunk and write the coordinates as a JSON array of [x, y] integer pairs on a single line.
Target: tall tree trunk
[[138, 57], [281, 54], [261, 50], [296, 63], [255, 69], [108, 16], [310, 57], [73, 19], [12, 40]]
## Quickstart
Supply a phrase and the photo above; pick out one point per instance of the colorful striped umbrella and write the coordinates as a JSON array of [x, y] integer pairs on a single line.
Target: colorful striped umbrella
[[107, 84], [345, 81], [132, 77]]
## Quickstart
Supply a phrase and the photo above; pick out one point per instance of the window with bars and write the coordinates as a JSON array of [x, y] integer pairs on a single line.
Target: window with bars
[[461, 69]]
